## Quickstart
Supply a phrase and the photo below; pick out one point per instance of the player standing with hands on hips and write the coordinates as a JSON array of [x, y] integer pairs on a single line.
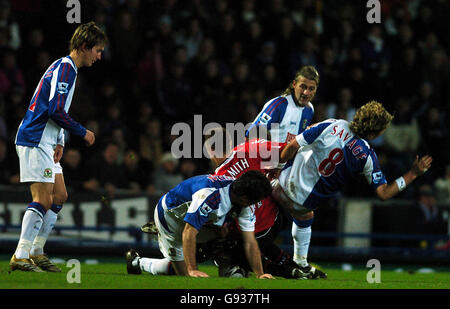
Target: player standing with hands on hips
[[40, 142]]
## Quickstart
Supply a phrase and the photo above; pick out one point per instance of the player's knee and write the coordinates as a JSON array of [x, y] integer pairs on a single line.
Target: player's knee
[[305, 220], [180, 268]]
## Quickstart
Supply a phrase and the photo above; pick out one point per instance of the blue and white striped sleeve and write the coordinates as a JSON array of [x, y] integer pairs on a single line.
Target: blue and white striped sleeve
[[309, 136], [203, 203], [372, 171], [62, 83], [273, 112]]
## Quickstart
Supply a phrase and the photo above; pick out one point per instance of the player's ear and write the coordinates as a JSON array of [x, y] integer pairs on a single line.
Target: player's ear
[[245, 201], [83, 48]]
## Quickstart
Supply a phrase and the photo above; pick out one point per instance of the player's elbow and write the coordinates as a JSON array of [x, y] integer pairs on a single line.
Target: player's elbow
[[382, 197], [54, 115], [189, 231], [382, 193]]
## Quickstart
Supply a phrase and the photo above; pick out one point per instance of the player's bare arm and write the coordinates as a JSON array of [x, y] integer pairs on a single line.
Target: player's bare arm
[[289, 151], [286, 154], [419, 167], [254, 255], [189, 249]]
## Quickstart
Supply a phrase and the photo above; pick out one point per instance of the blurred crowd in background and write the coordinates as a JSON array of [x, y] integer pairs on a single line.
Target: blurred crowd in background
[[171, 59]]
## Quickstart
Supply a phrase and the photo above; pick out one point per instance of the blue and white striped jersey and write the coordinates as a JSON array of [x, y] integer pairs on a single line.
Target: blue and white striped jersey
[[330, 154], [203, 199], [284, 118], [47, 114]]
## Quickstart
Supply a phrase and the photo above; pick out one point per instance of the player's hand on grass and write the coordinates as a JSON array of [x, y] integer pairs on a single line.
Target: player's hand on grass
[[421, 165], [57, 155], [89, 137], [265, 276], [197, 274]]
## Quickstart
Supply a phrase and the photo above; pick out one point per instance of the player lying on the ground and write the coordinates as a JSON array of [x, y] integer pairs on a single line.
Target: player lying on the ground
[[252, 155], [227, 253], [184, 213], [325, 156]]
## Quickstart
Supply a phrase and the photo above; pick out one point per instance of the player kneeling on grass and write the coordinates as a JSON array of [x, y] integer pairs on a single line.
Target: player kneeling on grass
[[183, 215], [324, 157], [227, 254]]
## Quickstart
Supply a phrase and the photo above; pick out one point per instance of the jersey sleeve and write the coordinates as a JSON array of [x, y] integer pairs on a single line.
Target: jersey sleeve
[[268, 154], [308, 136], [372, 171], [203, 203], [273, 112], [247, 219], [60, 89], [307, 117]]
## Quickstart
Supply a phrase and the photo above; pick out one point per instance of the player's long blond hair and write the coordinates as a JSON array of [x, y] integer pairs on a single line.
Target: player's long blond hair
[[370, 120], [308, 72]]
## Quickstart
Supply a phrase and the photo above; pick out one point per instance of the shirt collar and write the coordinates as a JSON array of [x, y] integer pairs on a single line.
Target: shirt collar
[[73, 63]]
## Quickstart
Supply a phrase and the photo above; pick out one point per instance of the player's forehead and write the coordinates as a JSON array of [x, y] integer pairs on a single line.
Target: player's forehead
[[98, 48], [301, 80]]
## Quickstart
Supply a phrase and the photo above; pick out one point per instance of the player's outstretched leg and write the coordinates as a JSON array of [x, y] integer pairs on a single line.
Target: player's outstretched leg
[[132, 258], [136, 264]]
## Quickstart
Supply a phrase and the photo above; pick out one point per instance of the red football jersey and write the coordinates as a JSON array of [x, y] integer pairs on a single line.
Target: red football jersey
[[254, 155]]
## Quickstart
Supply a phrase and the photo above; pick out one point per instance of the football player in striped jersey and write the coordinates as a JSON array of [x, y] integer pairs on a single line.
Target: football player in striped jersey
[[322, 158], [287, 116], [40, 142], [292, 112], [194, 211]]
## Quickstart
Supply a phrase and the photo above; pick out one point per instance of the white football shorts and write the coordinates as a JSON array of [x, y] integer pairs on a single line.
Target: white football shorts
[[37, 164], [285, 202], [170, 244], [170, 233]]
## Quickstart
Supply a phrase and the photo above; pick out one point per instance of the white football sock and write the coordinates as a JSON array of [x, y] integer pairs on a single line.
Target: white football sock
[[302, 238], [155, 266], [47, 226], [31, 224]]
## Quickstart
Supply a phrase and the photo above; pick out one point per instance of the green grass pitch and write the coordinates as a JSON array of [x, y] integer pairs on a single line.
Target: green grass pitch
[[111, 274]]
